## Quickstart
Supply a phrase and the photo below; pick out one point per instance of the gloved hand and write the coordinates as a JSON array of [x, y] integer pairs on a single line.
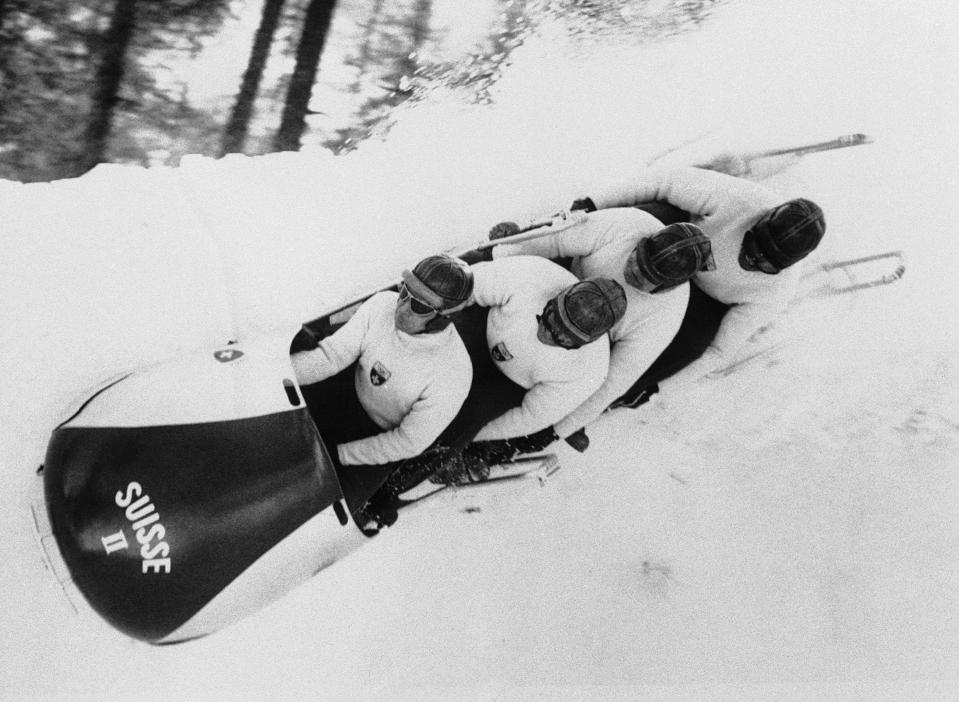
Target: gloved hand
[[381, 508], [729, 163], [491, 452], [502, 230], [583, 203], [569, 218], [578, 440], [477, 255], [471, 465], [534, 442]]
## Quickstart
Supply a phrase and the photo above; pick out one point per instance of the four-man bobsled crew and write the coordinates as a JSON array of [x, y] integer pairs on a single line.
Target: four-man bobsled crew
[[647, 304]]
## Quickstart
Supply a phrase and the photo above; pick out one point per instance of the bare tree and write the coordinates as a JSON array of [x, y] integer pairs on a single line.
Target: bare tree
[[236, 130], [316, 27], [107, 81]]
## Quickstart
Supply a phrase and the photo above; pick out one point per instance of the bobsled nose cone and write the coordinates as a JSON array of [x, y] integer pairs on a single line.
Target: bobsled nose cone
[[161, 524]]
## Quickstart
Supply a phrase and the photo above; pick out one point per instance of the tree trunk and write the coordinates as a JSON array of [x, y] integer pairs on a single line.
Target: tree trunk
[[5, 42], [236, 130], [316, 26], [106, 88]]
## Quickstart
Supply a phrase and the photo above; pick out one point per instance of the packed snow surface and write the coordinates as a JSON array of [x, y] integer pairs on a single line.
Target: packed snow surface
[[788, 532]]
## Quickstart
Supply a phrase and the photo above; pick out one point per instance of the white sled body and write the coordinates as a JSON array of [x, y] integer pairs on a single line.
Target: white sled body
[[186, 495]]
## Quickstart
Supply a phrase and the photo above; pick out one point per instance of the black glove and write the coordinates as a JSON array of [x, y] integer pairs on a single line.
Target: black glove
[[463, 467], [633, 401], [503, 229], [491, 452], [583, 203], [382, 508], [534, 442], [471, 465], [477, 255], [578, 440]]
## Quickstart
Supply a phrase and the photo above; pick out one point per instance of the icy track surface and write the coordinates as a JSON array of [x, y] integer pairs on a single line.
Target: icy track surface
[[790, 532]]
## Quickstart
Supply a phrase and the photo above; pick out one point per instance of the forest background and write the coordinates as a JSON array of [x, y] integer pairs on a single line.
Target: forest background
[[138, 81]]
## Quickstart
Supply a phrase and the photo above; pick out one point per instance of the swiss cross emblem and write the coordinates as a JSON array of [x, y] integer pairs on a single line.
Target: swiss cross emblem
[[500, 353], [379, 374], [227, 355]]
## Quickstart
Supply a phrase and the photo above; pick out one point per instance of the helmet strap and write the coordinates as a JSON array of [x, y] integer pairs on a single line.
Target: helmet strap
[[560, 302], [762, 240], [645, 268], [418, 288]]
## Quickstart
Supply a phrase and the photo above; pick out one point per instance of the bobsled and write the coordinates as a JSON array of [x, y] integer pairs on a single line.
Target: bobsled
[[181, 497]]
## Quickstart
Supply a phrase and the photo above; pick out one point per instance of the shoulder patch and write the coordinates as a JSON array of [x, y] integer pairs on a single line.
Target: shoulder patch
[[379, 374], [501, 353]]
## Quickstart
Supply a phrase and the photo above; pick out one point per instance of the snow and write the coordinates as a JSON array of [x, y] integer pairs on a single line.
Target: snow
[[788, 532]]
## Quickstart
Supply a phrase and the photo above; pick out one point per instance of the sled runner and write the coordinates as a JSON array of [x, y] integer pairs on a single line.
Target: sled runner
[[540, 467], [826, 280]]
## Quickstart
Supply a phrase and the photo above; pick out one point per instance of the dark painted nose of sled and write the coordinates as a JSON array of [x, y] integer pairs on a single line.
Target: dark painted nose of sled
[[190, 493], [154, 522]]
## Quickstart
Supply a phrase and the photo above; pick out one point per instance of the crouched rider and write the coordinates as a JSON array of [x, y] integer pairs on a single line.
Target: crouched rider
[[547, 336], [757, 241], [411, 373]]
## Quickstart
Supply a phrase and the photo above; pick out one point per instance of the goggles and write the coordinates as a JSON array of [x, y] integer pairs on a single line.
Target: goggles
[[417, 306]]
